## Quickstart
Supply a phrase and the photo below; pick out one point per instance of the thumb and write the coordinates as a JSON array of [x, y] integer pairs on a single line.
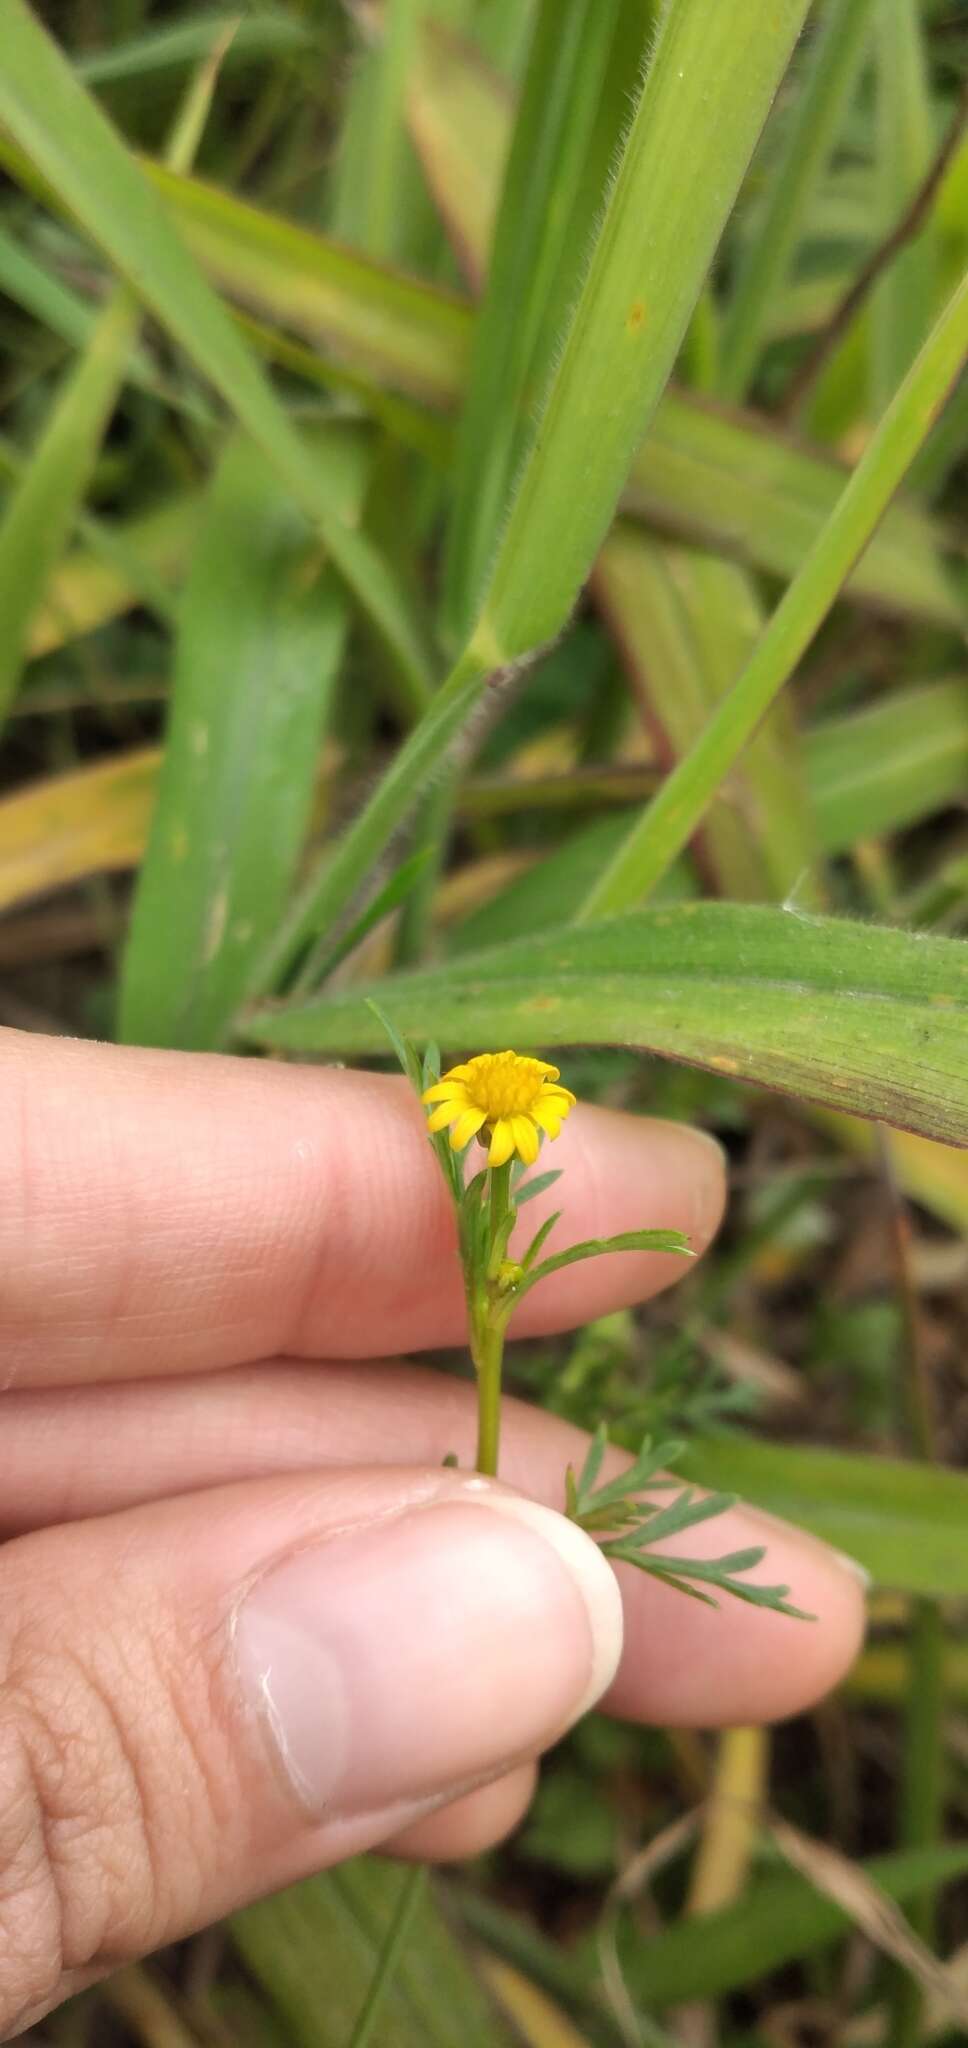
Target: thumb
[[207, 1698]]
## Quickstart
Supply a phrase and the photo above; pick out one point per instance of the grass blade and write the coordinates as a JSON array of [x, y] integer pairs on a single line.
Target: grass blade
[[721, 478], [80, 155], [679, 173], [674, 814], [52, 486], [906, 1523], [40, 515], [729, 481], [451, 106], [260, 33], [779, 1918], [261, 636], [744, 488], [685, 623], [812, 130], [614, 362], [897, 760], [906, 296], [413, 336], [124, 563], [558, 107], [378, 201], [313, 1949]]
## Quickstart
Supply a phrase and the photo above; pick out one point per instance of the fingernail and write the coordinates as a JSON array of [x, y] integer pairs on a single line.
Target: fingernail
[[409, 1656], [857, 1570], [809, 1543], [707, 1181]]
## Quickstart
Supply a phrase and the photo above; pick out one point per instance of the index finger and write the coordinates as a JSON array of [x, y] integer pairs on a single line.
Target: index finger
[[173, 1212]]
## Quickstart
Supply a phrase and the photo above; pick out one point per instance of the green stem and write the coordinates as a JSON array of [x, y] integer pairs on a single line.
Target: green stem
[[489, 1321], [410, 1895], [488, 1358]]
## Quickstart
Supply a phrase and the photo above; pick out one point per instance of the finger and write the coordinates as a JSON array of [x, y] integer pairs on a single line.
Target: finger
[[471, 1825], [684, 1664], [206, 1699], [167, 1212]]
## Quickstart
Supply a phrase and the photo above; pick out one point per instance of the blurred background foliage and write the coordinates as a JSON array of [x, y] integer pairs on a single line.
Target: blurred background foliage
[[243, 538]]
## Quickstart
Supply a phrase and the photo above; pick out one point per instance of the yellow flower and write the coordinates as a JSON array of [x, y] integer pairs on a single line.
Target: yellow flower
[[509, 1098]]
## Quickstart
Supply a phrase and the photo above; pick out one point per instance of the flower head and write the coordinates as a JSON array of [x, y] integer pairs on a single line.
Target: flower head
[[506, 1097]]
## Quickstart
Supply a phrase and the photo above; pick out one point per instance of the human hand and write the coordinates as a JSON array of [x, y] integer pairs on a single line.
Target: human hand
[[248, 1623]]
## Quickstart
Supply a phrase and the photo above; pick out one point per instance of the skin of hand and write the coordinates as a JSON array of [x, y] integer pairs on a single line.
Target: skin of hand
[[249, 1624]]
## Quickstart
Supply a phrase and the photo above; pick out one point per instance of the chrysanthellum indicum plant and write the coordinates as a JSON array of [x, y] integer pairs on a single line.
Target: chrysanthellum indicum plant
[[488, 1118]]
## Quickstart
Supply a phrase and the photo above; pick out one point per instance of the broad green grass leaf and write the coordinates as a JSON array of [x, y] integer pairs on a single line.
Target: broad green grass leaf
[[906, 1522], [313, 1950], [674, 813], [773, 232], [261, 635], [845, 1014], [80, 155], [779, 1919]]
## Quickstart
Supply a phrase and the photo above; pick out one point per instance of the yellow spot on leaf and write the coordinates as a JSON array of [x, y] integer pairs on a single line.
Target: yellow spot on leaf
[[635, 317]]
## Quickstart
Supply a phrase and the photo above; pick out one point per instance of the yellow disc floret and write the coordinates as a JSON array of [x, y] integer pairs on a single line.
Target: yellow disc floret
[[505, 1098]]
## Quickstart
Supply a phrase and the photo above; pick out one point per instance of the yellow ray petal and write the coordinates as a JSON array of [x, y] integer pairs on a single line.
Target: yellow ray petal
[[443, 1091], [548, 1115], [446, 1114], [467, 1126], [502, 1143], [526, 1138]]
